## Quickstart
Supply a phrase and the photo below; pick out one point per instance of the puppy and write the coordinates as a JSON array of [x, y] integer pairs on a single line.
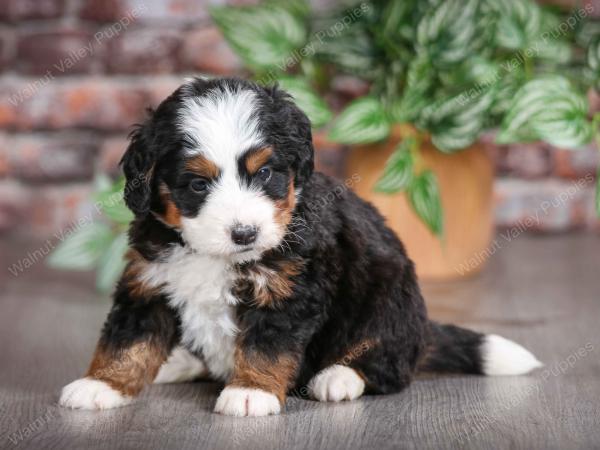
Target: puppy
[[244, 268]]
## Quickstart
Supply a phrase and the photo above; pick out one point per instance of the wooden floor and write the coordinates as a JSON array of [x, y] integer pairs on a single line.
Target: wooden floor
[[542, 292]]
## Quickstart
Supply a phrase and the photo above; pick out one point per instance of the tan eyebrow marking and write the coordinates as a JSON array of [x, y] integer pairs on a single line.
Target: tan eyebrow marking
[[257, 158], [202, 166]]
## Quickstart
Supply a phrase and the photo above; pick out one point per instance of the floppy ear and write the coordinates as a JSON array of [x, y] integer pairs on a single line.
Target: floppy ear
[[297, 136], [138, 166]]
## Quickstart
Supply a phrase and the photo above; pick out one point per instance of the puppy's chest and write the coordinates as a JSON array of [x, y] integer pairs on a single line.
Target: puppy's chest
[[205, 291], [199, 289]]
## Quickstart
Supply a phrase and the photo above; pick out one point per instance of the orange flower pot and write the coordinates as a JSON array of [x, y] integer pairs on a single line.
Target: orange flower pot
[[466, 183]]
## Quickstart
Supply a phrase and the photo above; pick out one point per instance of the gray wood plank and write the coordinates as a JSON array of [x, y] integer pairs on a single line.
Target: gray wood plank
[[542, 292]]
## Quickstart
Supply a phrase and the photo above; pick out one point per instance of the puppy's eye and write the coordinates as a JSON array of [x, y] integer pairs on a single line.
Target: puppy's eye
[[264, 174], [198, 185]]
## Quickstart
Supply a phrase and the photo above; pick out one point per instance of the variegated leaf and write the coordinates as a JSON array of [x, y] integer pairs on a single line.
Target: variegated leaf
[[456, 123], [398, 170], [264, 36], [307, 99], [82, 247], [424, 194], [519, 23], [548, 108], [112, 263], [452, 31], [363, 121], [419, 80]]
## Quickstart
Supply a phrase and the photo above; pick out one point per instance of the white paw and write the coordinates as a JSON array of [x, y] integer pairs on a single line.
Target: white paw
[[181, 366], [87, 393], [236, 401], [336, 383]]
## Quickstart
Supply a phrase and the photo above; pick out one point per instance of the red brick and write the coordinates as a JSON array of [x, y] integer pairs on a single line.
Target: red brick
[[11, 95], [350, 87], [89, 103], [5, 56], [143, 51], [576, 163], [5, 168], [160, 88], [43, 158], [14, 205], [57, 209], [529, 160], [206, 51], [593, 5], [329, 156], [150, 11], [12, 10], [543, 205], [111, 152], [61, 52]]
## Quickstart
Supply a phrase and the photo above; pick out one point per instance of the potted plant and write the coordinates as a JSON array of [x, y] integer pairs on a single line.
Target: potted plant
[[441, 73]]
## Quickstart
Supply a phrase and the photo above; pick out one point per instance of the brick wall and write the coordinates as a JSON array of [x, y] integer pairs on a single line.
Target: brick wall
[[75, 74]]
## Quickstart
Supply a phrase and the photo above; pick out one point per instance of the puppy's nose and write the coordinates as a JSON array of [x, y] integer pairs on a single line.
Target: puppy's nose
[[244, 234]]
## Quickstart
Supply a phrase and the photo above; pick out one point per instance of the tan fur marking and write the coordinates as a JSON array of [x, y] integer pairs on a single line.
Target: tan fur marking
[[171, 214], [132, 276], [202, 166], [285, 207], [261, 372], [268, 286], [258, 158], [130, 369], [357, 350]]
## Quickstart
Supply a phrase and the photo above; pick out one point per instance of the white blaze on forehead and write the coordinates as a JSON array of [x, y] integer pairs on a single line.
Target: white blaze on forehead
[[223, 124]]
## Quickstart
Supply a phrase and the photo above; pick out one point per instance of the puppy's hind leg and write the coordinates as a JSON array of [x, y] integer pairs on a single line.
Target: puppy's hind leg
[[181, 366]]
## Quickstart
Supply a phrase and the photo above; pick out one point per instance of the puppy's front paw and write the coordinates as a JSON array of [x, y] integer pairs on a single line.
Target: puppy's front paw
[[236, 401], [336, 383], [87, 393]]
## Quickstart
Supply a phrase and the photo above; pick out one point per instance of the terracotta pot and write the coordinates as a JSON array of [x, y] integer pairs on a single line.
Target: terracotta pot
[[466, 181]]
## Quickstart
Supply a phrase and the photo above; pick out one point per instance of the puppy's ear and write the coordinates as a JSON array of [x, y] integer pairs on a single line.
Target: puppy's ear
[[138, 166], [296, 137]]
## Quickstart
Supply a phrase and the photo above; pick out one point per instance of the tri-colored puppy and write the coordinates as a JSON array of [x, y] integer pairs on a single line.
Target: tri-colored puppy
[[244, 268]]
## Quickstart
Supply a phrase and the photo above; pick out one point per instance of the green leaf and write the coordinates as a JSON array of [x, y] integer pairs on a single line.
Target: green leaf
[[395, 16], [549, 45], [82, 247], [424, 194], [307, 100], [263, 36], [509, 83], [598, 193], [519, 23], [548, 108], [352, 50], [110, 201], [419, 79], [112, 263], [398, 170], [299, 8], [593, 59], [453, 30], [363, 121], [455, 123]]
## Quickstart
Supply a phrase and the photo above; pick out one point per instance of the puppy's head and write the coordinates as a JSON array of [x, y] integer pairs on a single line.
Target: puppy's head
[[223, 162]]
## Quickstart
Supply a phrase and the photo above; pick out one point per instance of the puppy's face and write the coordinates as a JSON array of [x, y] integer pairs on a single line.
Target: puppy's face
[[225, 161]]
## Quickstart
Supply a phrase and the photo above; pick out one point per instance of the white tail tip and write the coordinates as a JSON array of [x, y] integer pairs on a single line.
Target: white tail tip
[[504, 357]]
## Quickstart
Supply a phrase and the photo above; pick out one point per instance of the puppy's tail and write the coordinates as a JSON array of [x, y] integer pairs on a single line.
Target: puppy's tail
[[452, 349]]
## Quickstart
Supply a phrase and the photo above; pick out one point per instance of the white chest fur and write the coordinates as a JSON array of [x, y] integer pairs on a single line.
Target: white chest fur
[[199, 288]]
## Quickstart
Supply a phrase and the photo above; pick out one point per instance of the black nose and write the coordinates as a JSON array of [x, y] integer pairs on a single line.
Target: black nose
[[244, 234]]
